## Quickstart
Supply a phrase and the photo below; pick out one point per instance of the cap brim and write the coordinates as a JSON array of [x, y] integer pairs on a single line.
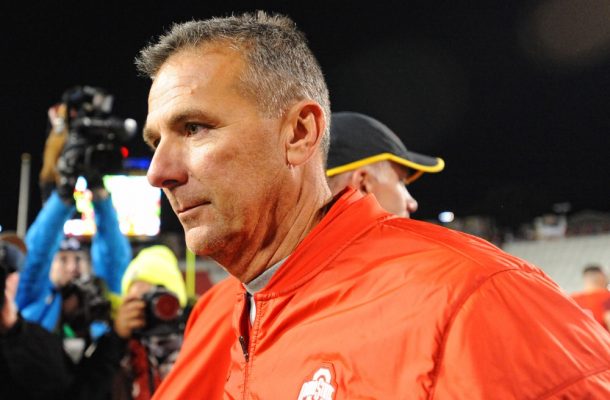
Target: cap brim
[[418, 162]]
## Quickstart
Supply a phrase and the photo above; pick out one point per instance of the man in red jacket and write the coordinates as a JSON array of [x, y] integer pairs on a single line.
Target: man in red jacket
[[332, 297], [595, 296]]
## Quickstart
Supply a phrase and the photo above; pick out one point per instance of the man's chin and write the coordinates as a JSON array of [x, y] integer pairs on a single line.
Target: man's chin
[[199, 241]]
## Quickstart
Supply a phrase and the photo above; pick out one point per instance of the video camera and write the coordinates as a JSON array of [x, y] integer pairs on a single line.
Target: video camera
[[163, 313], [93, 304], [95, 136]]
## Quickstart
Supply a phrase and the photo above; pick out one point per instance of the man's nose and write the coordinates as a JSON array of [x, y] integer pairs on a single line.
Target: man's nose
[[166, 167], [72, 268], [411, 203]]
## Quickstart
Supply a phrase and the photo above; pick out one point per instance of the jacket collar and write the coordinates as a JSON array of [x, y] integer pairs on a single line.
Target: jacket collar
[[350, 216]]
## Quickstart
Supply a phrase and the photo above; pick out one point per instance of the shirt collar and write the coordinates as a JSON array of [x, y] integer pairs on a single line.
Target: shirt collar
[[258, 283]]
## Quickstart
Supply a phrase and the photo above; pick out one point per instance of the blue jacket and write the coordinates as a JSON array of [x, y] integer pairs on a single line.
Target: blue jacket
[[37, 298]]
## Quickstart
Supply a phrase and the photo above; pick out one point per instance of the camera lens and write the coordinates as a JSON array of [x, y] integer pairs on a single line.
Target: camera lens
[[166, 307]]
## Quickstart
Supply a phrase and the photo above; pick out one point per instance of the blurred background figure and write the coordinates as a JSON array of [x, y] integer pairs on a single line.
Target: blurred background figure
[[151, 318], [595, 296], [55, 262], [56, 139], [366, 155], [32, 364], [66, 286]]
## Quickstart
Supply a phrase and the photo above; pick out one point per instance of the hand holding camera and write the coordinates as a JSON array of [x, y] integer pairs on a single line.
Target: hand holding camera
[[130, 317], [48, 176], [157, 312]]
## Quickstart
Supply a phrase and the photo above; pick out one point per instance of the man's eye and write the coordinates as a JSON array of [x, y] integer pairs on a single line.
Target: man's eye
[[194, 129]]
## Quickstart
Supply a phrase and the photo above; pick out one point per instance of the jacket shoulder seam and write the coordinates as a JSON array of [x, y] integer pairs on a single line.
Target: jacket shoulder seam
[[574, 381], [441, 243]]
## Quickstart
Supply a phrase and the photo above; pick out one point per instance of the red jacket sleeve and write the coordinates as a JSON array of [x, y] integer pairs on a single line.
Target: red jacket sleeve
[[539, 346]]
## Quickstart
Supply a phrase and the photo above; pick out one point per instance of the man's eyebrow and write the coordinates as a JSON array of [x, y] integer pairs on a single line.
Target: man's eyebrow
[[149, 135], [191, 114]]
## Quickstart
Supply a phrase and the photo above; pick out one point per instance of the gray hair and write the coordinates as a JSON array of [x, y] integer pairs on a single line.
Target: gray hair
[[281, 69]]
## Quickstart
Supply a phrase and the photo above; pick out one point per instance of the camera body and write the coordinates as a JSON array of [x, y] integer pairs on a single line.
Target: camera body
[[163, 313], [93, 304], [95, 136]]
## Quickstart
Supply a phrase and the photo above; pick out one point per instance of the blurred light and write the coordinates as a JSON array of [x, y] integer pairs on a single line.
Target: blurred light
[[81, 184], [136, 163], [131, 126], [567, 32], [562, 208], [446, 217], [124, 151], [1, 228]]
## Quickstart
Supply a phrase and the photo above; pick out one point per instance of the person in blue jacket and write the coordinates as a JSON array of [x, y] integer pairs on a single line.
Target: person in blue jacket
[[92, 349], [64, 286], [54, 261]]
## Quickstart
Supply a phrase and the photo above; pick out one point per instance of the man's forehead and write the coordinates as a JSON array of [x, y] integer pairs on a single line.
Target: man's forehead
[[184, 78], [198, 62], [190, 70]]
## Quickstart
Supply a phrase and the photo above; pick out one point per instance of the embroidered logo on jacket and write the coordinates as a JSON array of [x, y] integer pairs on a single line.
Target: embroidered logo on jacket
[[319, 388]]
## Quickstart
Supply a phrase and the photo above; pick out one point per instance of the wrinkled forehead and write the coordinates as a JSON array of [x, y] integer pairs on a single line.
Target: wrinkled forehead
[[208, 71], [198, 64]]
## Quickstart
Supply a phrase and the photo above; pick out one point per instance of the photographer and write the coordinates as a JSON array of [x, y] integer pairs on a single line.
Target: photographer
[[151, 318], [60, 277], [53, 260], [32, 364]]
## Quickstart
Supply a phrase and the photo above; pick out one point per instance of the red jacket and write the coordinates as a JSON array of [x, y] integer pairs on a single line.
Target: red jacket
[[378, 307]]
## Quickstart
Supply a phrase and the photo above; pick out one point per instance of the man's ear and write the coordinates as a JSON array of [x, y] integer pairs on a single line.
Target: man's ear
[[305, 125], [361, 179]]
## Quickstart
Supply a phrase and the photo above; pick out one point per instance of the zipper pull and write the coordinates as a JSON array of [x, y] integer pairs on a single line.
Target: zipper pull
[[244, 327], [244, 347]]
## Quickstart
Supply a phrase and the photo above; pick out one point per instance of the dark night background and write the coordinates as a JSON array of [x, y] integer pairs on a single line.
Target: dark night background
[[513, 97]]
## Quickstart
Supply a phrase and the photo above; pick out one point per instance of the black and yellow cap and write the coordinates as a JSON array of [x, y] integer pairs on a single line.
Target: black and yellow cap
[[357, 140]]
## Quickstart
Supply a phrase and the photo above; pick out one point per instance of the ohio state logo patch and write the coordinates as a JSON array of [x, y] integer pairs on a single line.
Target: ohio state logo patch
[[320, 387]]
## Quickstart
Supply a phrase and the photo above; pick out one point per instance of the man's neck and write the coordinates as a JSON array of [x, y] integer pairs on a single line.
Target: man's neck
[[295, 217]]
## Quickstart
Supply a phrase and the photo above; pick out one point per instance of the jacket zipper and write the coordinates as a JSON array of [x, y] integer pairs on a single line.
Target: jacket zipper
[[244, 327], [244, 339]]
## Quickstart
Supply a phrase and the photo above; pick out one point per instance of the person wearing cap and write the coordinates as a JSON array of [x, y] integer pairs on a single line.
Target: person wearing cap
[[331, 297], [32, 362], [153, 344], [366, 155]]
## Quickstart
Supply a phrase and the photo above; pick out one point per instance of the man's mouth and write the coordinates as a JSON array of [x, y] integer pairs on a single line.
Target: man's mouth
[[186, 209]]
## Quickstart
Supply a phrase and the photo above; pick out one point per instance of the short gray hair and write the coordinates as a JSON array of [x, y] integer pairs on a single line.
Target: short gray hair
[[281, 68]]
